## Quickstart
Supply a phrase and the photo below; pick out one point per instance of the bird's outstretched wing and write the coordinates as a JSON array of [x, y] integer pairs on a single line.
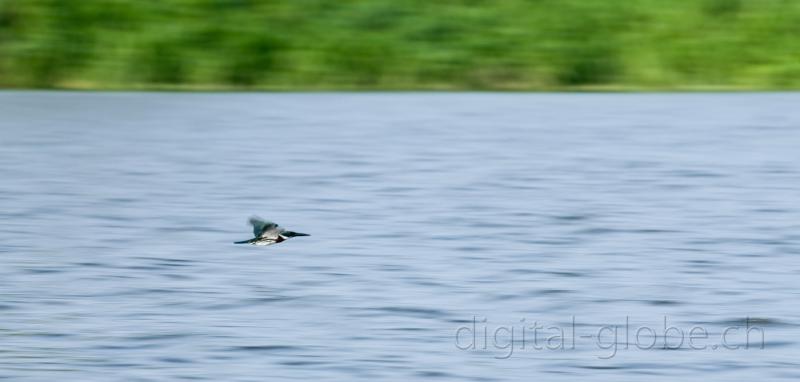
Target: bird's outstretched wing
[[262, 228]]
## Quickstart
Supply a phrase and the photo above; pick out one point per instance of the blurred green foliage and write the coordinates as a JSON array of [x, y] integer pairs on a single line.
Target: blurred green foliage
[[400, 44]]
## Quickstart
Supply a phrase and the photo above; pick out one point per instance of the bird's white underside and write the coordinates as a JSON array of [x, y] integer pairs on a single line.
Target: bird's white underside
[[263, 241]]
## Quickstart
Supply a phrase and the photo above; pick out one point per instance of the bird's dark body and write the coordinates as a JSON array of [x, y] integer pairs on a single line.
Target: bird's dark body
[[262, 241]]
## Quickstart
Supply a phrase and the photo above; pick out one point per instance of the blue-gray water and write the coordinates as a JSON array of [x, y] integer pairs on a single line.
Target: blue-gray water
[[427, 211]]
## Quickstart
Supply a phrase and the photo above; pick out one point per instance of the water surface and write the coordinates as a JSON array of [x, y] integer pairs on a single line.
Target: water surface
[[428, 213]]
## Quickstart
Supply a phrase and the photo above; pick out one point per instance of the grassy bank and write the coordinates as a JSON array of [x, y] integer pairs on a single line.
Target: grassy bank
[[400, 44]]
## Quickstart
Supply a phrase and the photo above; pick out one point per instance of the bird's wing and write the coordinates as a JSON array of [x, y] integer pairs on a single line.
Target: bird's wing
[[272, 233], [261, 226]]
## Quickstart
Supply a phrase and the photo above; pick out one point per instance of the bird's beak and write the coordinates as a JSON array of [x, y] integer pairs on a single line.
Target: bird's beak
[[299, 234]]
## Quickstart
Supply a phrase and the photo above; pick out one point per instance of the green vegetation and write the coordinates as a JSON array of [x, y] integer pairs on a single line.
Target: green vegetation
[[400, 44]]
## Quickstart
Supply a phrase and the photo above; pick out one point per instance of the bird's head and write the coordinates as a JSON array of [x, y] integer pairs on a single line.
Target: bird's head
[[293, 234]]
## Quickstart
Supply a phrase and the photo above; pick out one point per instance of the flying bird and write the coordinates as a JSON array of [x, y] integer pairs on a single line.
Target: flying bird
[[268, 233]]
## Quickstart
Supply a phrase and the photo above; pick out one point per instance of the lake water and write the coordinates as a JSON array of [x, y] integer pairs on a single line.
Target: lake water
[[439, 223]]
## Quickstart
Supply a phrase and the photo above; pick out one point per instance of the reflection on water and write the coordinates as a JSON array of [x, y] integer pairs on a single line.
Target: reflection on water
[[428, 212]]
